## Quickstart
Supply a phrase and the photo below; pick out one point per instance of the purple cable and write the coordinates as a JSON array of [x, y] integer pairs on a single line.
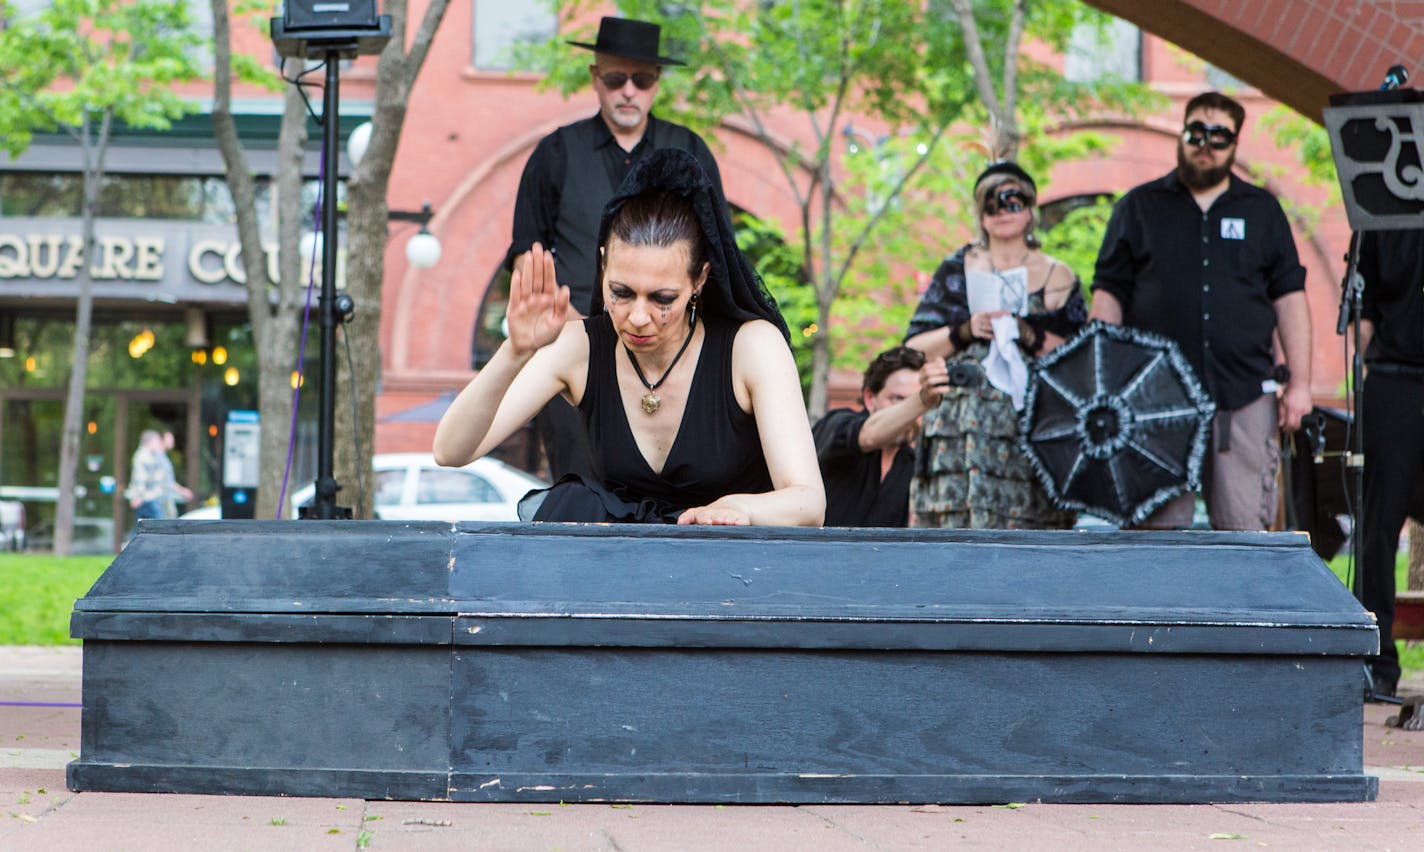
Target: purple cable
[[306, 323]]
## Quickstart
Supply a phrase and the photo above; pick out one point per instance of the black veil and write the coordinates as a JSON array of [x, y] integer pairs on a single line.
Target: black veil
[[733, 288]]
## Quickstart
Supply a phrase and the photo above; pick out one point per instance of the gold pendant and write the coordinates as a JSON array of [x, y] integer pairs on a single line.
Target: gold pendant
[[651, 402]]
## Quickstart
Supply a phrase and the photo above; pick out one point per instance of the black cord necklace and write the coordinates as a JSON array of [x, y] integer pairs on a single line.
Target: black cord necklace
[[651, 401]]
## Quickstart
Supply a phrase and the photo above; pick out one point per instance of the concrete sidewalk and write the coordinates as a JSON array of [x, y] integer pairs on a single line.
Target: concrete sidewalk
[[39, 734]]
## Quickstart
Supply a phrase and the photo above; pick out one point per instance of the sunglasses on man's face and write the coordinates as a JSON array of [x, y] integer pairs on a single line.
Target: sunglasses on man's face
[[615, 80], [1214, 136], [1010, 200]]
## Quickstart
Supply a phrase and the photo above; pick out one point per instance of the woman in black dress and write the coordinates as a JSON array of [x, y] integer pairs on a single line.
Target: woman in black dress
[[970, 472], [683, 374]]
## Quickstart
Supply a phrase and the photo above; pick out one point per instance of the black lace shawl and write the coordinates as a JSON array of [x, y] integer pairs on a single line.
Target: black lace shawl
[[733, 288]]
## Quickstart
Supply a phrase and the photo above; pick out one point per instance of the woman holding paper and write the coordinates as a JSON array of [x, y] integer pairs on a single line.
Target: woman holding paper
[[990, 310]]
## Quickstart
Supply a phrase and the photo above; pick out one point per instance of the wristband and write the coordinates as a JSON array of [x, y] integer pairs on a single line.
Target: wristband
[[1030, 338]]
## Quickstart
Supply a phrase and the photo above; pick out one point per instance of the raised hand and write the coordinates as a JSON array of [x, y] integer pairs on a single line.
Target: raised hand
[[538, 306]]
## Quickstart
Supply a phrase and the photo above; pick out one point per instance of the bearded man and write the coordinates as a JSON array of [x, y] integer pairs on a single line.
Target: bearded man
[[1206, 259]]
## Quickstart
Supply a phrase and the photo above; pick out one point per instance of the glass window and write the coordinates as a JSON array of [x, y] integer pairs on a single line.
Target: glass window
[[389, 485], [181, 197], [490, 329], [1112, 51], [500, 25], [454, 486], [23, 8], [1222, 81]]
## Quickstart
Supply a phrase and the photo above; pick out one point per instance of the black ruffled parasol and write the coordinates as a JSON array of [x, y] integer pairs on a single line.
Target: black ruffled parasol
[[1116, 423]]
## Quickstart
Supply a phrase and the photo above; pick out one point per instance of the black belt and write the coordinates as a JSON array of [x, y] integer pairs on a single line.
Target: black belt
[[1389, 368]]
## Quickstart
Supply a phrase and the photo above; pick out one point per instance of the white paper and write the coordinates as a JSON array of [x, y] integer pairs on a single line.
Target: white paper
[[1004, 367], [1005, 290]]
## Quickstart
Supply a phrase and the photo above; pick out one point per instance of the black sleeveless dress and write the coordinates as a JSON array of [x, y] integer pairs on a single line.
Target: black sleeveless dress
[[717, 450]]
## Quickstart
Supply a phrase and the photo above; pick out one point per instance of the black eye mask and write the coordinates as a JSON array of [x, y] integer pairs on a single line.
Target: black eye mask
[[1215, 136], [1010, 200]]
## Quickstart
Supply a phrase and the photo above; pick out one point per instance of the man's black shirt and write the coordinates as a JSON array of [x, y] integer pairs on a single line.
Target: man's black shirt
[[541, 187], [1208, 281], [1392, 264], [855, 494]]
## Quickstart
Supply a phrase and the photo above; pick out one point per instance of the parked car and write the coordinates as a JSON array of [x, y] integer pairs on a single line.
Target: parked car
[[412, 487]]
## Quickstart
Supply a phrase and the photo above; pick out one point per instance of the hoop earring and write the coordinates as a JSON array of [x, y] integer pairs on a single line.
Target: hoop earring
[[692, 313]]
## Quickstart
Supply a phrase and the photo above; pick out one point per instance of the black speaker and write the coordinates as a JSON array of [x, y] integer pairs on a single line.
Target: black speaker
[[301, 15], [315, 29]]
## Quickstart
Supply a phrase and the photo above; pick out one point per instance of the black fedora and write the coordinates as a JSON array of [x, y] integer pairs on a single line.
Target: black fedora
[[629, 39]]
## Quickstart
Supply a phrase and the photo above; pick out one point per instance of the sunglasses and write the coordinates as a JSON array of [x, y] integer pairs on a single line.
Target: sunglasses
[[616, 80], [1010, 200], [1214, 136]]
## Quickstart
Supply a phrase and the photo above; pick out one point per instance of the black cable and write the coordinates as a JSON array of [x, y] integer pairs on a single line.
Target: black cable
[[302, 87], [355, 422]]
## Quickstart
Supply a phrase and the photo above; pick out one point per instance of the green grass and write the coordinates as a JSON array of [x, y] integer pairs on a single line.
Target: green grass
[[37, 594], [1411, 654]]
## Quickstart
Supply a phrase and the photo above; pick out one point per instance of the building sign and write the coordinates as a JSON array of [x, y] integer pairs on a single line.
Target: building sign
[[134, 259]]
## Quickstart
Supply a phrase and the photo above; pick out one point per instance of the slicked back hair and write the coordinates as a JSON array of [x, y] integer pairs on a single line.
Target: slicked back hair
[[662, 219]]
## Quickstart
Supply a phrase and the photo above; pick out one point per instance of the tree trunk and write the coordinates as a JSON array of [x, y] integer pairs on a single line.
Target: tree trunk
[[819, 399], [64, 509], [277, 331], [276, 312], [358, 379]]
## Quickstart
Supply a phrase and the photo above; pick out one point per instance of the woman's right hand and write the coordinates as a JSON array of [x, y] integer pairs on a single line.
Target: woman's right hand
[[538, 305], [981, 325]]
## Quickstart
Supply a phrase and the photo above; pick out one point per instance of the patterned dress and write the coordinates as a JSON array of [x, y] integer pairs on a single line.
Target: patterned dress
[[969, 471]]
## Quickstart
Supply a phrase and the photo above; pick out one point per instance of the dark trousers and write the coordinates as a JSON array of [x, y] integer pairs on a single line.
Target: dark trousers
[[1393, 411], [565, 441]]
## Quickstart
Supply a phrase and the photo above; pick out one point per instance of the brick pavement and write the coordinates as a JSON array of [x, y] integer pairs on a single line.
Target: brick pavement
[[39, 733]]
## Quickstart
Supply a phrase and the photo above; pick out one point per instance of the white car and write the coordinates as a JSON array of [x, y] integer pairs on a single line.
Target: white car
[[412, 487]]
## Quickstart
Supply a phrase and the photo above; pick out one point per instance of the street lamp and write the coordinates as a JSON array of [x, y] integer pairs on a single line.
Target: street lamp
[[423, 249]]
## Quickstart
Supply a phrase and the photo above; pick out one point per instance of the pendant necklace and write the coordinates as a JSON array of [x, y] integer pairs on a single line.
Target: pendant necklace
[[651, 402], [1008, 288], [995, 270]]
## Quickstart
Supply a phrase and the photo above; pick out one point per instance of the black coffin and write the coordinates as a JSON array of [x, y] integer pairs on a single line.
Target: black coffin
[[491, 662]]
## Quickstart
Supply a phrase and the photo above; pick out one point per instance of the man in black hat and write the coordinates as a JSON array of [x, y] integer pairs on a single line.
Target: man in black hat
[[572, 174]]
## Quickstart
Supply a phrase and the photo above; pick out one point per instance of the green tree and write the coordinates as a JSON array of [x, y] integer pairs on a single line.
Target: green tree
[[75, 67], [1076, 239], [275, 307], [917, 73]]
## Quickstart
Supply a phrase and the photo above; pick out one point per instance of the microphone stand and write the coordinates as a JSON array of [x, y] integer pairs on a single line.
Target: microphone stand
[[1351, 312], [1351, 293]]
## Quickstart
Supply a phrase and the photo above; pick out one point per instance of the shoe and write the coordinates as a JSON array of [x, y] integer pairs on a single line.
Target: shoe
[[1385, 688]]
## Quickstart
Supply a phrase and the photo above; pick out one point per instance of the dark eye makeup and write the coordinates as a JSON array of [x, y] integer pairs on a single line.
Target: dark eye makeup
[[666, 300]]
